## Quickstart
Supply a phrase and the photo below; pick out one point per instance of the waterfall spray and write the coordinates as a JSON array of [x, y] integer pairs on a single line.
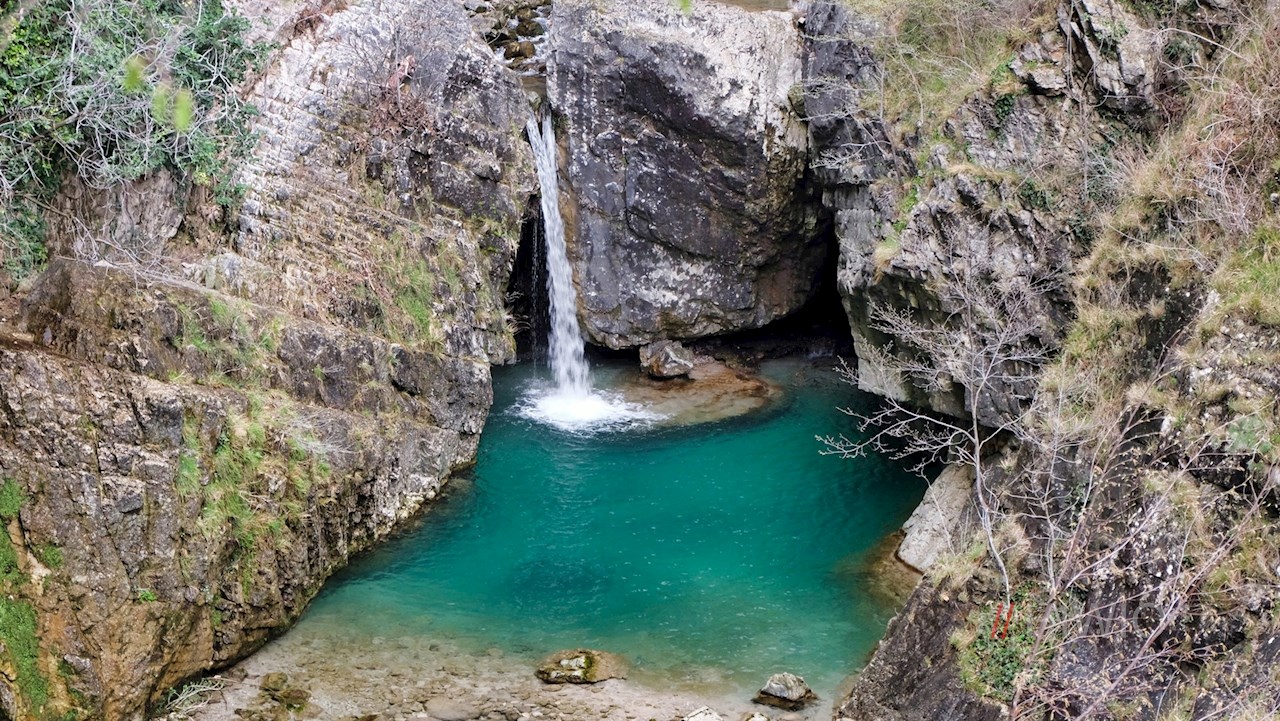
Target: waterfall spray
[[571, 405], [568, 362]]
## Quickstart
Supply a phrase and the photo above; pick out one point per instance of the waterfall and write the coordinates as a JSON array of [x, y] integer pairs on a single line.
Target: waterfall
[[568, 363], [571, 404]]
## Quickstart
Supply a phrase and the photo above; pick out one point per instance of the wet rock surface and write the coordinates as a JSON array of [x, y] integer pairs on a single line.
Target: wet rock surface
[[684, 166], [666, 359], [711, 391]]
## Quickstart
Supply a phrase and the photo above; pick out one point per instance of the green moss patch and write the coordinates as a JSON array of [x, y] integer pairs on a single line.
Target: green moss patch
[[18, 630], [11, 499]]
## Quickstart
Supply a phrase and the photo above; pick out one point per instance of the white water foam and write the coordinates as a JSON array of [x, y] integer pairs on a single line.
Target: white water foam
[[594, 412], [572, 404]]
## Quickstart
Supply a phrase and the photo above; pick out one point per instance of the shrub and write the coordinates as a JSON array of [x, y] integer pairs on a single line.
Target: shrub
[[113, 90]]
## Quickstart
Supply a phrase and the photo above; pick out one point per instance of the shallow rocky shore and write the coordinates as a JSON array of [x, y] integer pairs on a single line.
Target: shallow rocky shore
[[405, 679], [346, 676]]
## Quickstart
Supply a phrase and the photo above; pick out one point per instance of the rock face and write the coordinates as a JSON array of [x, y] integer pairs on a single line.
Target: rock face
[[971, 223], [685, 160], [581, 666], [935, 527], [786, 691], [195, 445], [913, 674], [1121, 56], [666, 359], [982, 205]]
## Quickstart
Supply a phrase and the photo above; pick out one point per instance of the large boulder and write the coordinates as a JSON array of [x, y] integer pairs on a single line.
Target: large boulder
[[786, 691], [666, 359], [687, 212], [581, 666], [934, 528]]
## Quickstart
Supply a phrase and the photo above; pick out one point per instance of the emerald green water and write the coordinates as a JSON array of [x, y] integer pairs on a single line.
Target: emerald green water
[[731, 546]]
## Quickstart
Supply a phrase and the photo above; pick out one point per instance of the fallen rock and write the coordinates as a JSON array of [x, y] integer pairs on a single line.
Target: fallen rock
[[754, 716], [446, 709], [703, 714], [785, 691], [581, 666], [935, 525], [666, 359]]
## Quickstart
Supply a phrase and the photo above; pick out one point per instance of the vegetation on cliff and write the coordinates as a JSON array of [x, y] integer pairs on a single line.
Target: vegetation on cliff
[[1129, 526], [111, 91]]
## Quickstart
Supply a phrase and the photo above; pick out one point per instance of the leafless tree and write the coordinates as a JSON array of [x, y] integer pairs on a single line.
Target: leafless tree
[[988, 339]]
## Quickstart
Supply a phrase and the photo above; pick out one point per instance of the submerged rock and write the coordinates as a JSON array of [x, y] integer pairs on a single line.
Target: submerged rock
[[581, 666], [666, 359], [293, 697], [446, 709], [786, 691], [273, 683]]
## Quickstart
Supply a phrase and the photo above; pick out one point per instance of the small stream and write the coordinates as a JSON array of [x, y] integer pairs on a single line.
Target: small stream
[[718, 553]]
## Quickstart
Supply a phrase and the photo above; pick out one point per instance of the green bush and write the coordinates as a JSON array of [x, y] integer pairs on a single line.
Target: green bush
[[113, 91], [993, 657]]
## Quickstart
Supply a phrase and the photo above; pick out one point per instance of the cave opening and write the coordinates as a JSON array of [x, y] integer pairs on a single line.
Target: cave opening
[[527, 289]]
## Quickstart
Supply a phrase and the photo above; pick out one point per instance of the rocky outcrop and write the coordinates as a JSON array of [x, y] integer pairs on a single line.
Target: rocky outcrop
[[1121, 57], [937, 526], [970, 220], [686, 152], [997, 195], [199, 428], [913, 675]]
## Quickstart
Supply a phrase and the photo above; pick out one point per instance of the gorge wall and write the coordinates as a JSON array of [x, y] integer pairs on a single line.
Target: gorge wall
[[1074, 231], [205, 411]]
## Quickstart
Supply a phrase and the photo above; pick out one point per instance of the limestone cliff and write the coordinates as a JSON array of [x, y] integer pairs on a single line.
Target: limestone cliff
[[1093, 187], [685, 161], [205, 411]]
